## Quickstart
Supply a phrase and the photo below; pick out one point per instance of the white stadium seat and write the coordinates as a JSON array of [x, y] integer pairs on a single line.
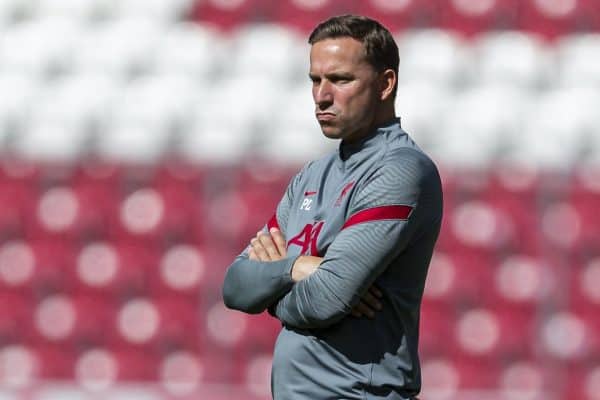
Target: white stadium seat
[[161, 103], [295, 110], [147, 116], [74, 9], [245, 106], [480, 125], [67, 102], [269, 50], [39, 47], [51, 142], [13, 10], [192, 49], [14, 109], [578, 57], [164, 11], [421, 105], [123, 47], [559, 129], [431, 55], [511, 58]]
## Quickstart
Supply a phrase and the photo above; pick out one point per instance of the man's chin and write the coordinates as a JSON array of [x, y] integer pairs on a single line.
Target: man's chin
[[331, 132]]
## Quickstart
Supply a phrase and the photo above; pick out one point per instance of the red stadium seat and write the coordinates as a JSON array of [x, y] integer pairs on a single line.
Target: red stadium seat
[[182, 272], [113, 268], [525, 378], [568, 336], [229, 14], [80, 321], [304, 15], [494, 332], [558, 17], [582, 382], [20, 367], [182, 372], [16, 318], [398, 15], [471, 17], [436, 322]]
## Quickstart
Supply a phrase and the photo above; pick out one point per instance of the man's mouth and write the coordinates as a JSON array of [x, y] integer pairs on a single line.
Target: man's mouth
[[324, 117]]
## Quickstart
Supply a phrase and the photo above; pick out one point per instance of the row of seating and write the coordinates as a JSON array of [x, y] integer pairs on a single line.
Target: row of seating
[[130, 47], [549, 18], [468, 360]]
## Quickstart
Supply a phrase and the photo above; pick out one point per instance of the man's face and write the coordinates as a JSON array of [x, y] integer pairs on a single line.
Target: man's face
[[344, 88]]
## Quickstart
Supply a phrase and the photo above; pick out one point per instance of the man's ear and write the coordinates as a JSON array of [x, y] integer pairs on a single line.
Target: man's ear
[[387, 83]]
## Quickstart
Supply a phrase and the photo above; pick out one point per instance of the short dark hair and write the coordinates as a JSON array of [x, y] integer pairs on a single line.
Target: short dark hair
[[380, 47]]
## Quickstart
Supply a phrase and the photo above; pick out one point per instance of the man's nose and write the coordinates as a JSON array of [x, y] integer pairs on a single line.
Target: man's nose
[[323, 94]]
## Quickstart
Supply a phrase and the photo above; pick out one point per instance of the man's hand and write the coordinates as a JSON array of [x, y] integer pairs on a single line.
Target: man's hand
[[269, 246], [368, 304], [305, 266]]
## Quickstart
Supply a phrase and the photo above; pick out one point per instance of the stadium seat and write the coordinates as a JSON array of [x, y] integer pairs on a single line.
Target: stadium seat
[[182, 372], [14, 109], [268, 50], [182, 272], [78, 11], [258, 375], [553, 18], [398, 15], [229, 14], [16, 317], [421, 106], [191, 49], [557, 129], [435, 319], [138, 323], [444, 63], [304, 15], [523, 281], [528, 68], [162, 11], [122, 47], [12, 11], [525, 379], [474, 17], [39, 48], [582, 382], [576, 55], [492, 130], [226, 329], [20, 367], [557, 327]]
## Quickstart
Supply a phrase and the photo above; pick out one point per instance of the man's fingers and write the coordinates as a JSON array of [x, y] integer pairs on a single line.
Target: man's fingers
[[371, 300], [259, 250], [269, 245], [364, 309], [252, 255], [279, 241], [375, 290]]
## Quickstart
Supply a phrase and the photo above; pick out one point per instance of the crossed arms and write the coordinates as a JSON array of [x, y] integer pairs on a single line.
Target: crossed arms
[[312, 292]]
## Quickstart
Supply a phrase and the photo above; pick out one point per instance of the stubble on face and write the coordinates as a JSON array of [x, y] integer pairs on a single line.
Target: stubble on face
[[344, 87]]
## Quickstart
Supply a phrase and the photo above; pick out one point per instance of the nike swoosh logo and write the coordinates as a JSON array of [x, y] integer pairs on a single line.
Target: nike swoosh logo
[[309, 193]]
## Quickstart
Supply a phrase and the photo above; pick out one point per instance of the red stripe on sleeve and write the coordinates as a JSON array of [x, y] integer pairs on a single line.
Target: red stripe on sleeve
[[273, 222], [379, 213]]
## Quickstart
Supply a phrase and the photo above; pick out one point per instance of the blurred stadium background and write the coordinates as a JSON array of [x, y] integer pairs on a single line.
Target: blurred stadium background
[[145, 141]]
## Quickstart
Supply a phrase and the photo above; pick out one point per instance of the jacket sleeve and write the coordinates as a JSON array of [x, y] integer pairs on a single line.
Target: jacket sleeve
[[387, 213], [252, 286]]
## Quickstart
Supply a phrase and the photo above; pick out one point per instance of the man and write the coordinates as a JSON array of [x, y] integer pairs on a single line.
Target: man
[[342, 263]]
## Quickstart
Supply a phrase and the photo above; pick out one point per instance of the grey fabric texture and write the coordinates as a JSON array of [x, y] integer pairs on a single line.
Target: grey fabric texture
[[373, 210]]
